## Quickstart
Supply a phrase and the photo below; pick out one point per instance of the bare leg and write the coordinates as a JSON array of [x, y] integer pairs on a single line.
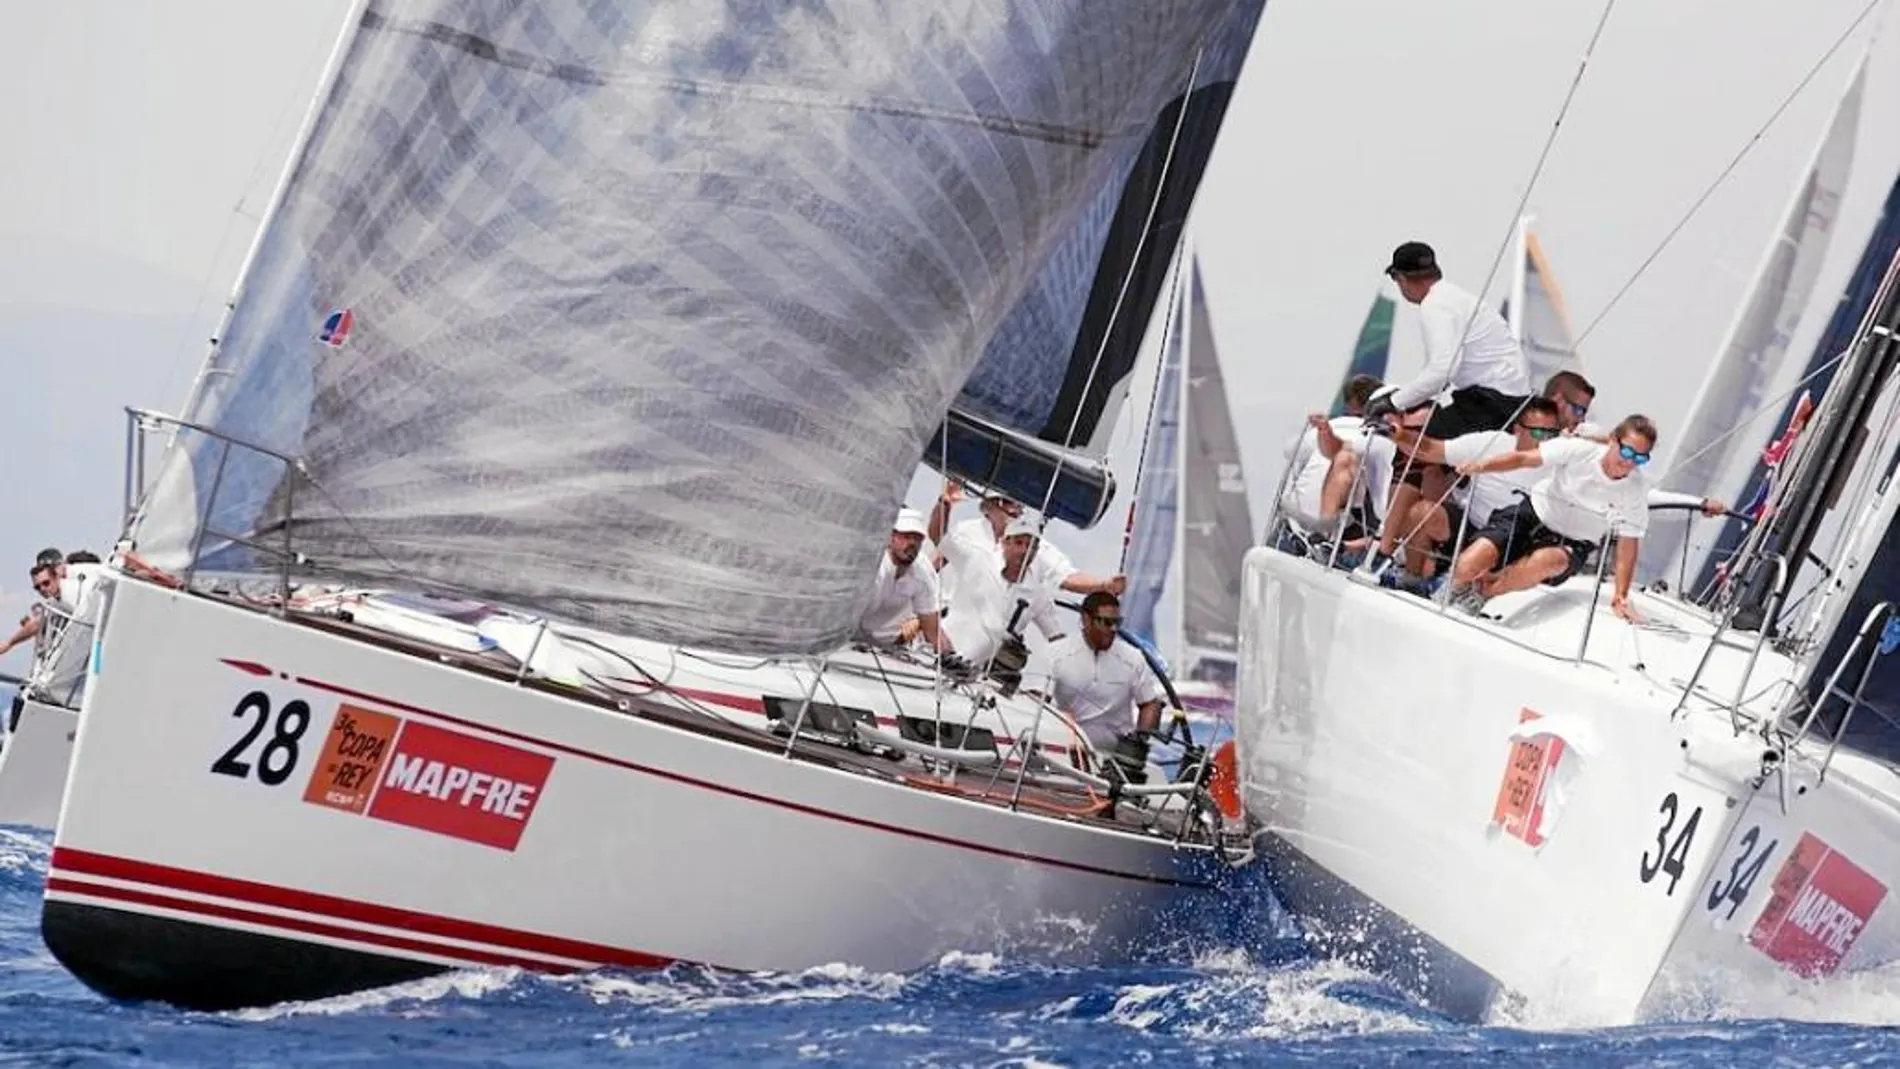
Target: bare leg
[[1432, 528], [1528, 571], [1338, 484], [1404, 501], [1477, 560]]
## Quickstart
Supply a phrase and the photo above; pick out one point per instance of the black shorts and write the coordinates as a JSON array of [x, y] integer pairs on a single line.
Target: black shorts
[[1473, 409], [1517, 531]]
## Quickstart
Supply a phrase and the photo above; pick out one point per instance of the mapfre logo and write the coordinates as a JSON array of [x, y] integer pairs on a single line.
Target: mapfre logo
[[1819, 905], [426, 777]]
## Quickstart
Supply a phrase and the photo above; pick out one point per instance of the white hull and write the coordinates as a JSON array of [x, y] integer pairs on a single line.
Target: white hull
[[33, 766], [1390, 826], [580, 835]]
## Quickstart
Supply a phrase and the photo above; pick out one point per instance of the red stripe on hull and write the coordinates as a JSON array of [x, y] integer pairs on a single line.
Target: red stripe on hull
[[69, 860]]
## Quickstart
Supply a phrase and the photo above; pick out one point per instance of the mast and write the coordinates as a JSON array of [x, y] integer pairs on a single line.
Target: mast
[[352, 24], [1177, 563], [1519, 278], [1829, 448]]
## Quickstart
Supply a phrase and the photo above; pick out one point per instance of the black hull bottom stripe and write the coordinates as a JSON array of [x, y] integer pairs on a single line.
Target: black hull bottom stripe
[[138, 957], [1344, 924]]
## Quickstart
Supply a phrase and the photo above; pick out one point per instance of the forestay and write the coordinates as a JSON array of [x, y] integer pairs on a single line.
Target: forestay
[[641, 313]]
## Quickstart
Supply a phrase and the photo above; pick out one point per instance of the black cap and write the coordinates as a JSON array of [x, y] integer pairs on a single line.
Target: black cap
[[47, 556], [1411, 258]]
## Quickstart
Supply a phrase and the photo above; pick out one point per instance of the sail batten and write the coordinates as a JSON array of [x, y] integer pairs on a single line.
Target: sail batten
[[640, 314]]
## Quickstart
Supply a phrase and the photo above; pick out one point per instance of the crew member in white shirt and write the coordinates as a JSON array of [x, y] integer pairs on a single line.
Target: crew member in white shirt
[[1428, 525], [1468, 349], [1327, 460], [1574, 394], [904, 598], [995, 589], [1104, 684], [1052, 566], [1592, 488]]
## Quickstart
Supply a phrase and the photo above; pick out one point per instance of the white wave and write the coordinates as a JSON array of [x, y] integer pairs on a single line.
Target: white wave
[[24, 851], [674, 993], [465, 983]]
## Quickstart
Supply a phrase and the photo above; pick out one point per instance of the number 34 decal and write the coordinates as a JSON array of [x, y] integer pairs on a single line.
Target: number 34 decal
[[278, 757], [1671, 855]]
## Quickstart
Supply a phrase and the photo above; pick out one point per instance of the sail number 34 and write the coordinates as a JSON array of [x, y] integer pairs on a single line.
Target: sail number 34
[[1670, 855]]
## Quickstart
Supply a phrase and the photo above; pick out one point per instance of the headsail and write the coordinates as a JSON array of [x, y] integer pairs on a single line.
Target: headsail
[[1058, 366], [1216, 520], [644, 312], [1373, 349], [1710, 458], [1537, 314], [1156, 512], [1193, 485]]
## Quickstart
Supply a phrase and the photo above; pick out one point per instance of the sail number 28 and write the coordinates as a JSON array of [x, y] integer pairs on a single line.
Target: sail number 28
[[277, 759], [1670, 854]]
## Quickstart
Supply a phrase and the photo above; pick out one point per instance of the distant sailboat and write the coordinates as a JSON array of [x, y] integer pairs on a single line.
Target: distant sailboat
[[1192, 520], [1372, 353], [1709, 458], [1536, 312]]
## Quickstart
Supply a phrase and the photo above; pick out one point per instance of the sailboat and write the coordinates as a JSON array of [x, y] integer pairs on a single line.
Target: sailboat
[[558, 422], [1554, 811], [1372, 352], [1712, 459], [1191, 523], [1535, 310]]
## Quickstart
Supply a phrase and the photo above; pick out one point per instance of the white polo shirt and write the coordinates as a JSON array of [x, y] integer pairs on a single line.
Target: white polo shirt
[[1579, 500], [979, 609], [1494, 491], [965, 538], [1100, 690], [895, 598]]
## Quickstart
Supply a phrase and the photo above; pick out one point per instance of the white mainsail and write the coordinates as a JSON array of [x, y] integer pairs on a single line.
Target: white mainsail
[[1710, 459]]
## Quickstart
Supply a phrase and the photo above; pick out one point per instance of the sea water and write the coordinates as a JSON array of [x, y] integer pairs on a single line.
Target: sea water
[[1243, 992]]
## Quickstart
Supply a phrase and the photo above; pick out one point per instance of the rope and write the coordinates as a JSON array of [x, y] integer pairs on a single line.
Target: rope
[[1141, 457], [1730, 169]]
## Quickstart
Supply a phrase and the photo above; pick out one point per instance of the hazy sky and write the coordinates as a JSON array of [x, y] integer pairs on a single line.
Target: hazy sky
[[134, 133]]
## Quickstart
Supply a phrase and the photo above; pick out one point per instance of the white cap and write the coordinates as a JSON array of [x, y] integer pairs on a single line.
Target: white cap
[[910, 521], [1383, 391], [1021, 525]]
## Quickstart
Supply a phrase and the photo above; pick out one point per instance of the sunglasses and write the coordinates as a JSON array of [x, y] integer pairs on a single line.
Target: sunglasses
[[1579, 409], [1106, 621], [1542, 433], [1630, 454]]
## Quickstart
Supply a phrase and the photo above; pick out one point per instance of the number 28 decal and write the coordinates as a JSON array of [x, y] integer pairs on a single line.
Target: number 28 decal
[[1671, 856], [278, 757]]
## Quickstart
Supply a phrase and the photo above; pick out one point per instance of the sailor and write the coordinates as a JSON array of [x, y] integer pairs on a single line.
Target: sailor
[[1332, 457], [997, 593], [1105, 685], [1592, 488], [1468, 349], [904, 598], [45, 576], [1427, 524], [1574, 394], [1052, 565]]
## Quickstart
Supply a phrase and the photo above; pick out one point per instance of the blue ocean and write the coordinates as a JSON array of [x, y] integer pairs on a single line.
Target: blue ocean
[[1248, 994]]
